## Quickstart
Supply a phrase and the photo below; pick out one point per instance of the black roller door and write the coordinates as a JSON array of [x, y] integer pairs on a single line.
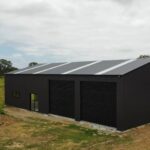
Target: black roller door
[[62, 98], [98, 102]]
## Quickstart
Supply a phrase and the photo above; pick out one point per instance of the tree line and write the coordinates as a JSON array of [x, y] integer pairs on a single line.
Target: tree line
[[7, 66]]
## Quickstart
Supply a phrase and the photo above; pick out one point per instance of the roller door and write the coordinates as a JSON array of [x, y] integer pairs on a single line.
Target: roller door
[[98, 102], [62, 98]]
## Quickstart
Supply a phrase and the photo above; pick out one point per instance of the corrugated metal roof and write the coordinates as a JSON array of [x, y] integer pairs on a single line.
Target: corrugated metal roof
[[100, 66], [42, 67], [105, 67], [129, 67], [67, 67]]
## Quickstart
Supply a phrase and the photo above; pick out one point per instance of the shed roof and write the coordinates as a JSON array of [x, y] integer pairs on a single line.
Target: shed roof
[[104, 67]]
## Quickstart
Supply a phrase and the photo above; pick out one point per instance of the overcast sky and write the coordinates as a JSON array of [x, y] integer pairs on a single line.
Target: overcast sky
[[73, 30]]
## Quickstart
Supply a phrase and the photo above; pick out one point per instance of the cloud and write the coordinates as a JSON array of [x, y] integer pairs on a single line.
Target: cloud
[[75, 30], [125, 2]]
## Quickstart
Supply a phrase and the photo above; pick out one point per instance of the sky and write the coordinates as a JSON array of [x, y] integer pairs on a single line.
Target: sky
[[48, 31]]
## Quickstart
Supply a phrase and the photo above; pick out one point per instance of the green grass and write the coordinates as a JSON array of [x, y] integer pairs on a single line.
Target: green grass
[[1, 95]]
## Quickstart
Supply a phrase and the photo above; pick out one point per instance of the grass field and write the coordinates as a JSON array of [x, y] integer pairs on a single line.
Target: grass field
[[35, 133]]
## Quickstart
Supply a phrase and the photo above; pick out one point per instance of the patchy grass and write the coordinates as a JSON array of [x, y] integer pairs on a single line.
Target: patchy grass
[[36, 133], [21, 131]]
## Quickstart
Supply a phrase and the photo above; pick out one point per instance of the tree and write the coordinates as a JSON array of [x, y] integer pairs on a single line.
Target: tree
[[6, 66], [32, 64], [144, 56]]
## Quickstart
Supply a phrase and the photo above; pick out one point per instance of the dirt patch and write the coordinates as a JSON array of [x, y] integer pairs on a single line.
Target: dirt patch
[[25, 114], [6, 120], [141, 136]]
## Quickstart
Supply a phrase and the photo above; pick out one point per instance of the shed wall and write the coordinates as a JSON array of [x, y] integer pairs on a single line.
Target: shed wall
[[27, 85], [39, 84], [134, 104]]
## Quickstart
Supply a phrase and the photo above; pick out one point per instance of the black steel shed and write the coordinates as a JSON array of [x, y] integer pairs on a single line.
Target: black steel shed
[[115, 93]]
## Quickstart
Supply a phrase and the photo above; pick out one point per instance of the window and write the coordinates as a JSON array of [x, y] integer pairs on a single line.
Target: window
[[16, 94]]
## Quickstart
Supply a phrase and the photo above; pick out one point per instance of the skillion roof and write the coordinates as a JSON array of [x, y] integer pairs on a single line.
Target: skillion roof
[[104, 67]]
